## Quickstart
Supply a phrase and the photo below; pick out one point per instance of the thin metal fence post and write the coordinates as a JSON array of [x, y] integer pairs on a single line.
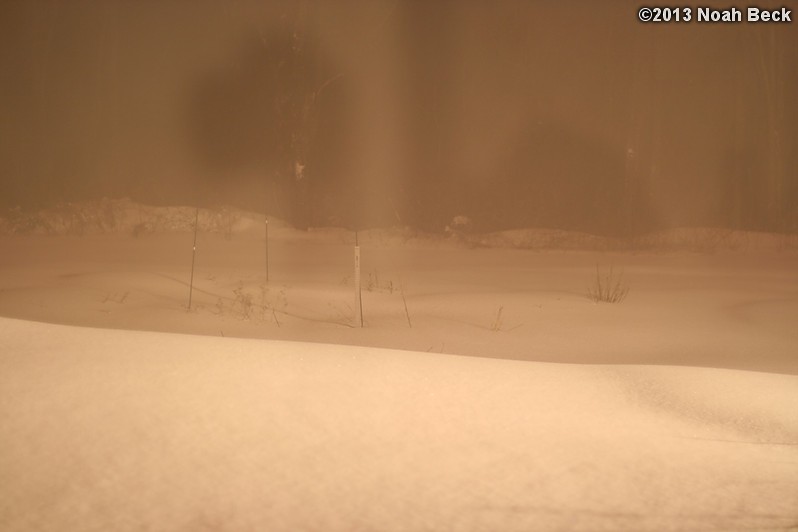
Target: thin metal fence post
[[267, 249], [193, 258], [358, 296]]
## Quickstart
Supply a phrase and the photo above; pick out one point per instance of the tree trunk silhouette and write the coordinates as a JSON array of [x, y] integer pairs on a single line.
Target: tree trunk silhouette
[[770, 61]]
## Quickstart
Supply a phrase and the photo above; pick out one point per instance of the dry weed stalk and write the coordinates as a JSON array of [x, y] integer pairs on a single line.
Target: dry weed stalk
[[608, 288]]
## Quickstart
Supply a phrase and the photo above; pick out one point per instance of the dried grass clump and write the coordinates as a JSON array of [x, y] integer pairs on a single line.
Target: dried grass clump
[[609, 288]]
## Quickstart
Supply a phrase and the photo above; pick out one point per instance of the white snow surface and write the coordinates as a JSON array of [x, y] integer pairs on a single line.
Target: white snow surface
[[485, 392], [123, 430]]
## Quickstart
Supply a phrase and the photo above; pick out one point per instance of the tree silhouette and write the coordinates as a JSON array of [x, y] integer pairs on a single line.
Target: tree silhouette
[[267, 110]]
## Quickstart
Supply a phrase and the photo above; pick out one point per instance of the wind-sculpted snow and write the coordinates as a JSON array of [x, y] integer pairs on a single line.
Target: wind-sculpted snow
[[124, 430]]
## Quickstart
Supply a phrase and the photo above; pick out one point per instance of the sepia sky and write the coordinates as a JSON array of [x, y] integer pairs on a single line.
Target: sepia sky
[[514, 113]]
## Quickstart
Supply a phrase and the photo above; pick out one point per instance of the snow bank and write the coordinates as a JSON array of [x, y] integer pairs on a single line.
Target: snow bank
[[694, 239], [120, 430], [126, 216]]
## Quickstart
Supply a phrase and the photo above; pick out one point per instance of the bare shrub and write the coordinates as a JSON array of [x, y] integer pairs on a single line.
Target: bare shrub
[[374, 284], [140, 229], [115, 297], [608, 288], [243, 301]]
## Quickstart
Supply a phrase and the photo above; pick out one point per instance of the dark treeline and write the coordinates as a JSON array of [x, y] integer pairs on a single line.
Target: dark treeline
[[515, 114]]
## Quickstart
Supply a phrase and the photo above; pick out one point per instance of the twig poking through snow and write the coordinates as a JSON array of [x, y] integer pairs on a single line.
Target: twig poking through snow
[[407, 313], [497, 323]]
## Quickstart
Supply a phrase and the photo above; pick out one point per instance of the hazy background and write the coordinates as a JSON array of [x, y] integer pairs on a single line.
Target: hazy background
[[359, 113]]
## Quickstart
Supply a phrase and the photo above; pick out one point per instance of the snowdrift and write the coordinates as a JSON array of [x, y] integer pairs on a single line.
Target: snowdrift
[[127, 217], [124, 430]]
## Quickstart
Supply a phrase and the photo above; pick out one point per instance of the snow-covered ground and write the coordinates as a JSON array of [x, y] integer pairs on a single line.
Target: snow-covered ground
[[676, 409]]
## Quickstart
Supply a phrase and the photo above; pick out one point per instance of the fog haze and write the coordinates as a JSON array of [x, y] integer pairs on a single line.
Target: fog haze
[[362, 114]]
